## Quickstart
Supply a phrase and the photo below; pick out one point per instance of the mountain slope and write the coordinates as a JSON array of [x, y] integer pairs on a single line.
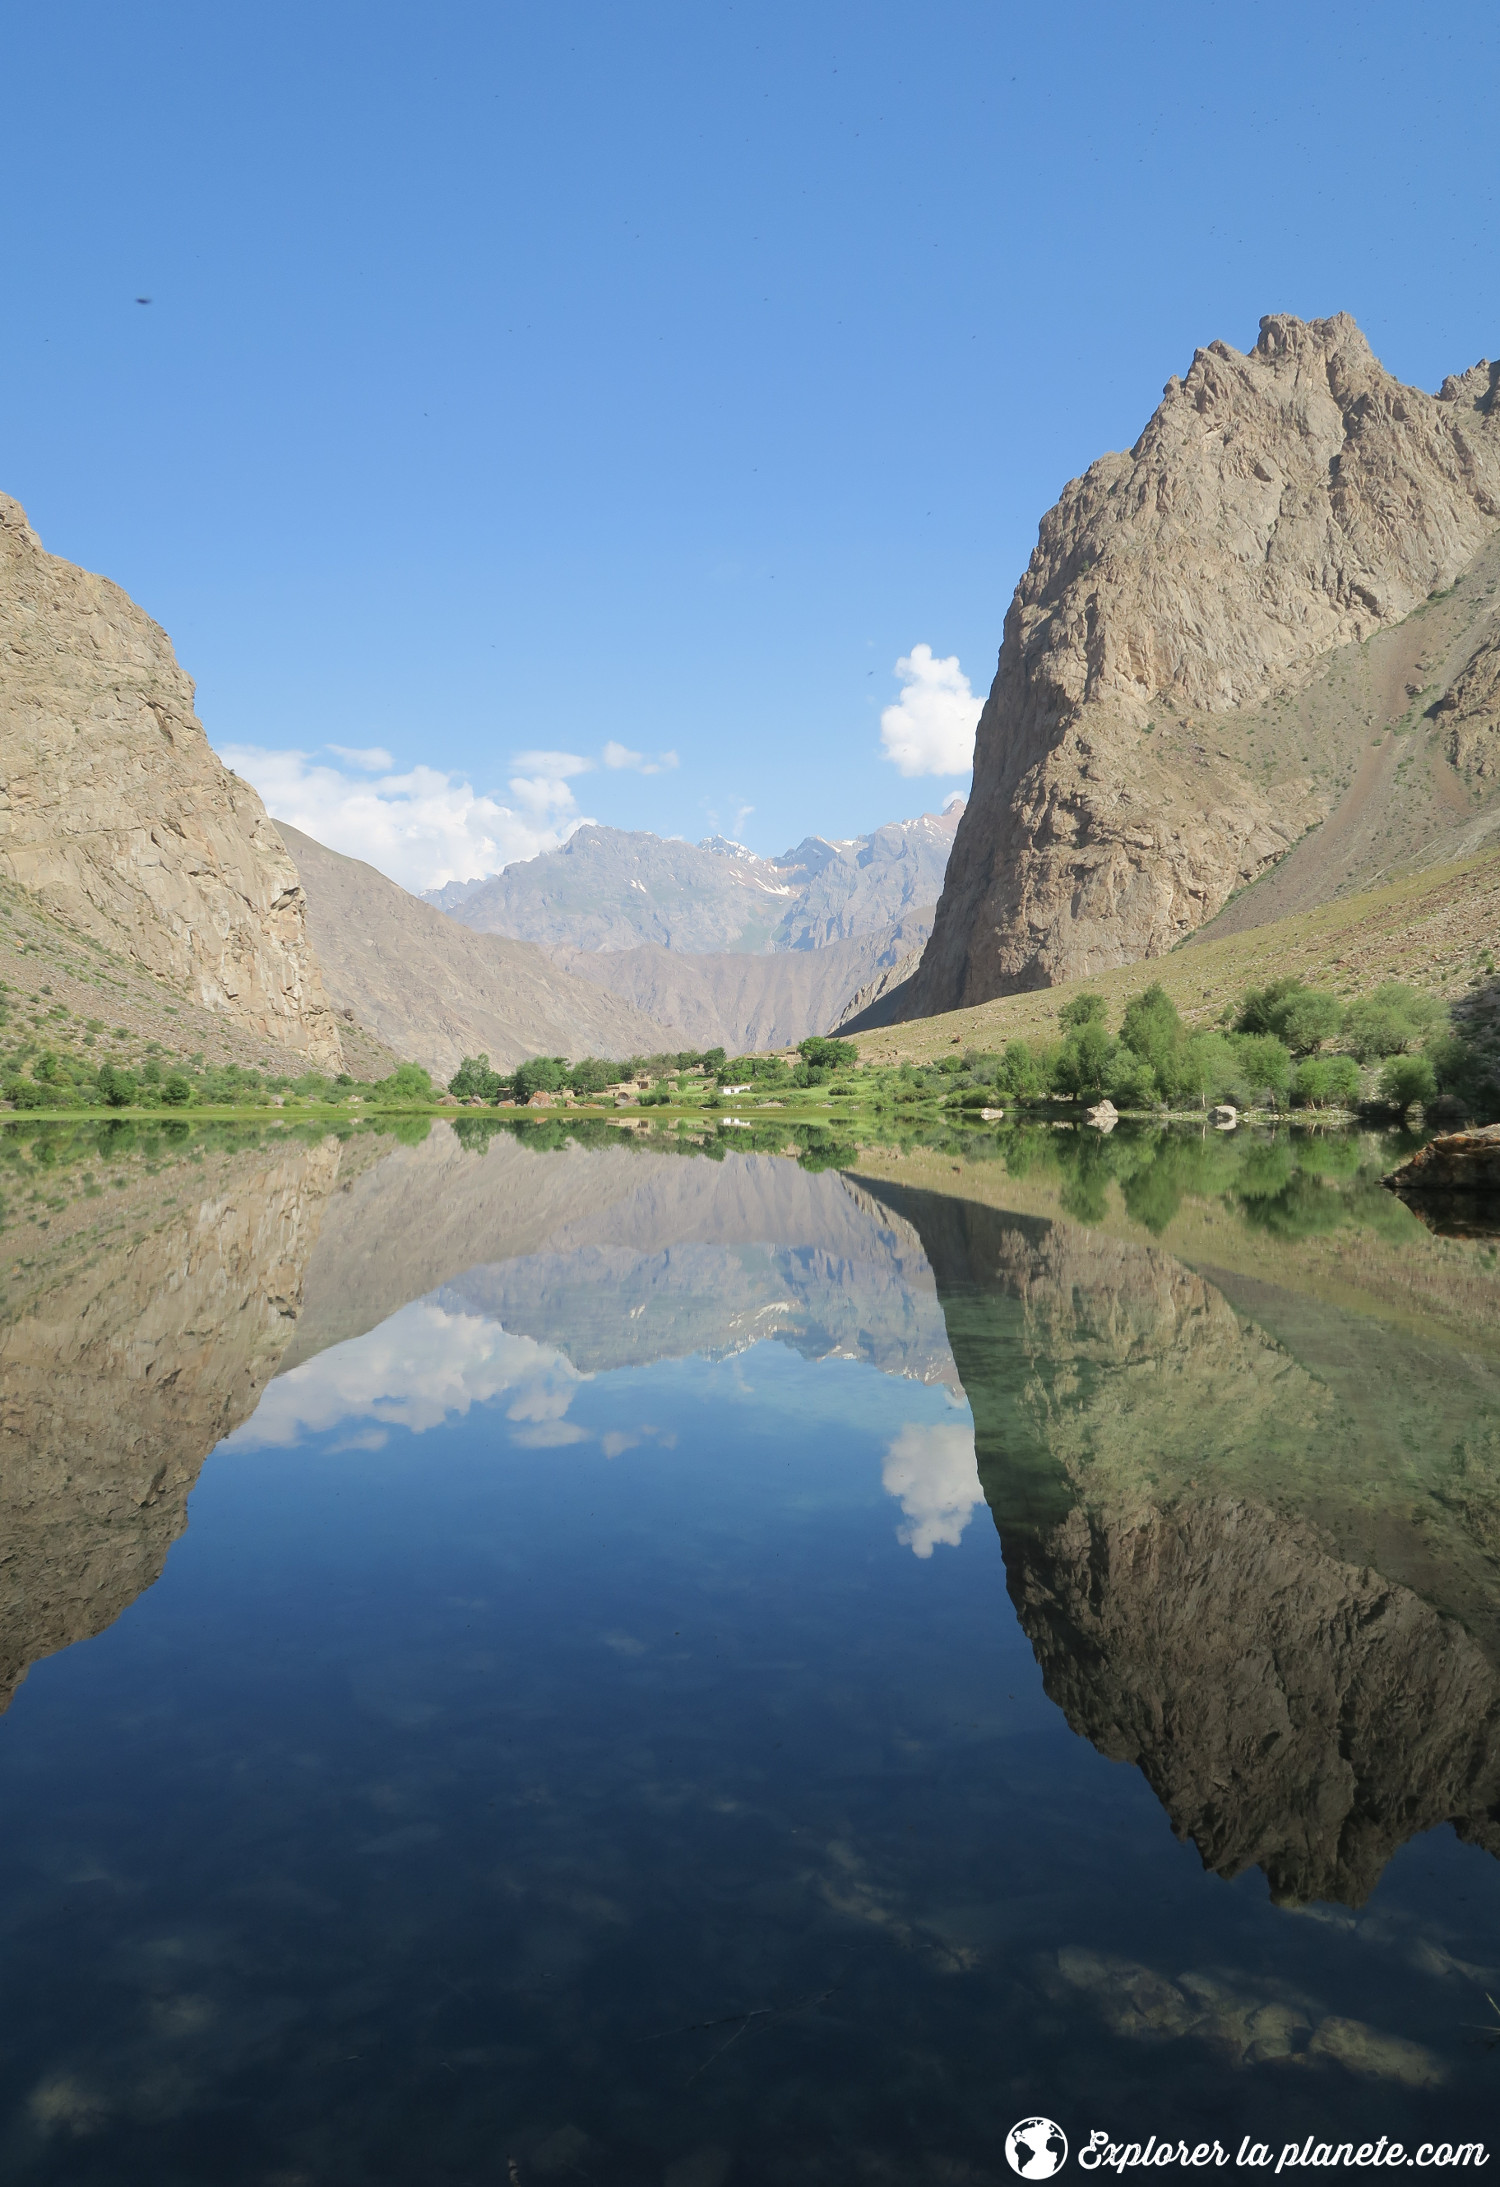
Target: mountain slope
[[118, 819], [616, 889], [740, 1002], [435, 992], [1155, 738]]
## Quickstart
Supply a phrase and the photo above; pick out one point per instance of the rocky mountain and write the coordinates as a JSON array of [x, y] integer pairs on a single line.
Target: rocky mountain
[[1273, 615], [619, 889], [117, 819], [731, 999], [435, 992]]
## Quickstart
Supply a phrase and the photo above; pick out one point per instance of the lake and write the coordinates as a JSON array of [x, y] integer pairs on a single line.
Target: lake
[[536, 1655]]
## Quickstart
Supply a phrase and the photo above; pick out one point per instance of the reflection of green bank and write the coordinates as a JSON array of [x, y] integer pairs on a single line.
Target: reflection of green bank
[[1253, 1538]]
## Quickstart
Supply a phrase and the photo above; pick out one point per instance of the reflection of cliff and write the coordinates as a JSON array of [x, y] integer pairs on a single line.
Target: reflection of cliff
[[1290, 1711], [120, 1379], [1166, 1477]]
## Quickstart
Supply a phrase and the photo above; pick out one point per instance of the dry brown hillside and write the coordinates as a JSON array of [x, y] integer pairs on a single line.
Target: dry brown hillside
[[436, 992]]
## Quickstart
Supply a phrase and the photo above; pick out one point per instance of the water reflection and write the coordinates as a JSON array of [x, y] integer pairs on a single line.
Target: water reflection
[[651, 1798], [1238, 1567], [1251, 1537]]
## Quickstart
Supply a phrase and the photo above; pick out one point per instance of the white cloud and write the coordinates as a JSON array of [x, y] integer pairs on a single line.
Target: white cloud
[[373, 758], [620, 755], [415, 1371], [543, 795], [932, 1473], [422, 828], [930, 729], [560, 764]]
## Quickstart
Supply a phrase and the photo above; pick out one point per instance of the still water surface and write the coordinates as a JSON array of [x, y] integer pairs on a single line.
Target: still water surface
[[536, 1662]]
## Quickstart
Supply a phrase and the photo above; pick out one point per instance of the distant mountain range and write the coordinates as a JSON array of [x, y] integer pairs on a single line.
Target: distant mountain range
[[726, 947], [618, 888]]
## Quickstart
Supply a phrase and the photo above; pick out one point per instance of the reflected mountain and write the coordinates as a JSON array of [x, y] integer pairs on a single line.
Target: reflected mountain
[[370, 1282], [1252, 1532], [131, 1345], [1239, 1565]]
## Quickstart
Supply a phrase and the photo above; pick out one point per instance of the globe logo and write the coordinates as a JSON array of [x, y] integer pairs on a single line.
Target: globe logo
[[1036, 2148]]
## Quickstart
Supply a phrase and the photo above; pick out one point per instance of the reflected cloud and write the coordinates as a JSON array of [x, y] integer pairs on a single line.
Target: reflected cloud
[[932, 1473], [419, 1368]]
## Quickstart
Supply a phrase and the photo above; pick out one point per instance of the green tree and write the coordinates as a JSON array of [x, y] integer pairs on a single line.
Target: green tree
[[176, 1091], [828, 1055], [1407, 1080], [1300, 1016], [1022, 1073], [1208, 1070], [1153, 1031], [1083, 1010], [117, 1086], [1309, 1019], [1081, 1064], [1265, 1065], [1132, 1082], [1389, 1021], [474, 1079], [540, 1074]]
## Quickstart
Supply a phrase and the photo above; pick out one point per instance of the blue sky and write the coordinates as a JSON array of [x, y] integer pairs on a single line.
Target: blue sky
[[522, 382]]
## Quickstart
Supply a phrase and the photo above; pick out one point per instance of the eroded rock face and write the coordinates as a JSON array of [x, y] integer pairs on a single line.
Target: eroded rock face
[[1290, 1711], [117, 815], [1167, 1480], [1278, 505], [115, 1386], [1470, 713]]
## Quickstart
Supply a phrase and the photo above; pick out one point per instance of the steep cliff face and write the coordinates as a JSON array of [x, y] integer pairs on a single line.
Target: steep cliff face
[[117, 816], [1278, 506]]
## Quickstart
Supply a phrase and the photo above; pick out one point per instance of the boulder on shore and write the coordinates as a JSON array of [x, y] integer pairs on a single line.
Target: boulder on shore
[[1456, 1161]]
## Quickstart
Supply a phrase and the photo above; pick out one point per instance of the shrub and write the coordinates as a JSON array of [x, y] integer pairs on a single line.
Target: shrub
[[408, 1082], [1323, 1082], [829, 1055], [1407, 1080], [1082, 1010], [176, 1092], [25, 1093]]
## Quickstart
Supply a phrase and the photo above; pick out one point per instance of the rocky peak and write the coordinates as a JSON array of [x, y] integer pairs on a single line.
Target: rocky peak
[[1277, 506]]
